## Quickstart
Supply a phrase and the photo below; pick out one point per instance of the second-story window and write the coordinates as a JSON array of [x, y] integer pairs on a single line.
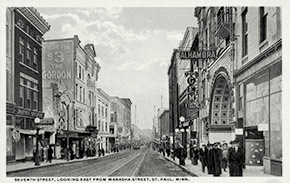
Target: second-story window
[[81, 93], [263, 24], [77, 90], [244, 33]]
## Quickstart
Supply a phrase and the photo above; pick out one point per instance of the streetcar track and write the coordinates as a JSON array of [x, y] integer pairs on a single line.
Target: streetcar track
[[98, 164]]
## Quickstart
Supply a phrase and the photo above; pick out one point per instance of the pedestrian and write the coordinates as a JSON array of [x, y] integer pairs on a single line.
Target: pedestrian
[[100, 152], [49, 154], [103, 152], [217, 160], [195, 157], [168, 150], [210, 159], [236, 159], [225, 150], [203, 156]]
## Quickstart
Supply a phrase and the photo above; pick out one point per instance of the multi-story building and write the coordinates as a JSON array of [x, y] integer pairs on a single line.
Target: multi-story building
[[216, 25], [103, 109], [24, 30], [70, 73], [128, 131], [120, 116], [187, 109], [173, 96], [258, 81], [163, 120], [240, 90]]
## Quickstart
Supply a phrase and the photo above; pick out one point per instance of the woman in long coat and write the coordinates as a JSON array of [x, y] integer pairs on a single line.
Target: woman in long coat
[[236, 160]]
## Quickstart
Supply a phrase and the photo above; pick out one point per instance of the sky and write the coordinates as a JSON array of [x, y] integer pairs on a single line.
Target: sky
[[133, 46]]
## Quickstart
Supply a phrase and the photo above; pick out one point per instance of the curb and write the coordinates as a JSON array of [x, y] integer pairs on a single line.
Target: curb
[[55, 164], [180, 166]]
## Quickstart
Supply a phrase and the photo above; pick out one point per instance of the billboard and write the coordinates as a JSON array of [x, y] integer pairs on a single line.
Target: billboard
[[57, 64]]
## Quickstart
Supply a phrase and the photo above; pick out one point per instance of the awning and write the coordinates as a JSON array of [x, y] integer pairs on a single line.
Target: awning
[[29, 132]]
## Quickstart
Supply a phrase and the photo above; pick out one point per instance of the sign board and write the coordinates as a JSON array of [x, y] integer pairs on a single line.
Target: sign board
[[58, 62], [263, 127], [197, 54], [239, 131], [191, 80], [28, 113]]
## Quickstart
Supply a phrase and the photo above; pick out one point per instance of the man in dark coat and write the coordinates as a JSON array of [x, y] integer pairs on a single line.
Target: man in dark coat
[[217, 160], [236, 159], [203, 156], [49, 154], [210, 159]]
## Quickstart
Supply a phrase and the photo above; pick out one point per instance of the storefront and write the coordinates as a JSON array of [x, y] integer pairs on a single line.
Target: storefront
[[25, 126], [263, 119], [11, 135]]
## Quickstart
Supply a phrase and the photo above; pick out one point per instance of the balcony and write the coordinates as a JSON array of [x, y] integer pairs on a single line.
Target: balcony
[[224, 22]]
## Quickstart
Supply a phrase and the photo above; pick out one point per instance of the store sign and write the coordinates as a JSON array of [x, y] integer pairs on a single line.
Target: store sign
[[58, 61], [28, 113], [197, 54]]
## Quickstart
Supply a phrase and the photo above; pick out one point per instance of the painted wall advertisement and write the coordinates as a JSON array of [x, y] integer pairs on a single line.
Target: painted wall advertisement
[[58, 63]]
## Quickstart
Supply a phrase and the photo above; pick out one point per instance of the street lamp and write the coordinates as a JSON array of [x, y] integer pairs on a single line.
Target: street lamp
[[37, 155]]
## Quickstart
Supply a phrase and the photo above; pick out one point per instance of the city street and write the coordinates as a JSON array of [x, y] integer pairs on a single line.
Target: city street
[[142, 162]]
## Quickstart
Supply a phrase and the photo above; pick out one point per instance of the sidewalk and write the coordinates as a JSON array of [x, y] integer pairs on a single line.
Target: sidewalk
[[249, 171], [18, 166]]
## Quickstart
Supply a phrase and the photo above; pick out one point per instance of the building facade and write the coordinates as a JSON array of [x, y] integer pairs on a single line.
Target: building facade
[[216, 75], [258, 80], [240, 90], [25, 28], [70, 74], [163, 119], [103, 108]]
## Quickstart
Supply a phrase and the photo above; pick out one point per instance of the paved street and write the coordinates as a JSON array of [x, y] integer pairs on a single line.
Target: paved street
[[143, 162]]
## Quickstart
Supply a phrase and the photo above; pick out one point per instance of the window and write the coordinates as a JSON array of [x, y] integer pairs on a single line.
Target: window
[[7, 39], [106, 126], [99, 125], [106, 112], [84, 95], [102, 125], [28, 54], [35, 58], [99, 110], [28, 98], [263, 24], [241, 96], [21, 49], [244, 33], [35, 100], [21, 96], [90, 102], [83, 76], [77, 88], [81, 93], [80, 72], [27, 29], [102, 111]]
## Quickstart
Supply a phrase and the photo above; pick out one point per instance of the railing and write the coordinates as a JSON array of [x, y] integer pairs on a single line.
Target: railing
[[224, 16]]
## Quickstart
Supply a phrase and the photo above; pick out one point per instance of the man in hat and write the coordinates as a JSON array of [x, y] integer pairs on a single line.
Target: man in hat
[[203, 156], [210, 163], [236, 159], [217, 159]]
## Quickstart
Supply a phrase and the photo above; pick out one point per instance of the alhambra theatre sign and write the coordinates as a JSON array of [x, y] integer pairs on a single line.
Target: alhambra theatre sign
[[197, 54]]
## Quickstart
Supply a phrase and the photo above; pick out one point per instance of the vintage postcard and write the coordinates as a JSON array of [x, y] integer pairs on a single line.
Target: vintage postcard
[[146, 91]]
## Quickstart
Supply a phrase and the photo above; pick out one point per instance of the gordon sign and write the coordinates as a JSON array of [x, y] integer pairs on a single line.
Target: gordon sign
[[197, 54], [58, 62]]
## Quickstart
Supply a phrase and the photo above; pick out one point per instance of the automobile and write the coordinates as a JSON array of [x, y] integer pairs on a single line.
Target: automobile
[[136, 146]]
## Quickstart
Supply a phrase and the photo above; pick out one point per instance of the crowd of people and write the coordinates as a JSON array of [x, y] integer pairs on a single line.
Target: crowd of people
[[215, 158]]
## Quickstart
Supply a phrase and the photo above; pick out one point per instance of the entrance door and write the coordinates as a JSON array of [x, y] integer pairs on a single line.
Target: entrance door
[[254, 152]]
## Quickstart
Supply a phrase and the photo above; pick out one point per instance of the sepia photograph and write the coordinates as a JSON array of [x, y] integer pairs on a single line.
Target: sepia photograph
[[160, 93]]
